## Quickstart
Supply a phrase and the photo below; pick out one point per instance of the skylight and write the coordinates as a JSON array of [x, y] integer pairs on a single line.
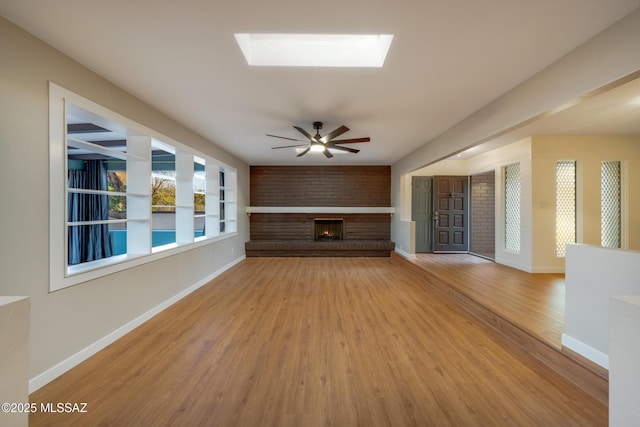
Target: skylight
[[315, 50]]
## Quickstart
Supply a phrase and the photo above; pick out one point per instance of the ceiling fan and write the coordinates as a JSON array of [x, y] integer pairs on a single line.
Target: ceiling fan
[[320, 143]]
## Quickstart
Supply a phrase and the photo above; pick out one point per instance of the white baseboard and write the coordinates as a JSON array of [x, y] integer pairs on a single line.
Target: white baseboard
[[404, 254], [510, 263], [52, 373], [548, 270], [596, 356]]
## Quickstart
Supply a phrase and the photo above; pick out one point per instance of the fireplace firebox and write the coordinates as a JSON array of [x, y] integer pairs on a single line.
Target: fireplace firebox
[[328, 228]]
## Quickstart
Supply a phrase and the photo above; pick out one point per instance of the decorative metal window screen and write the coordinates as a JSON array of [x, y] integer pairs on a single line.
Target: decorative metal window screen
[[512, 208], [565, 205], [611, 204]]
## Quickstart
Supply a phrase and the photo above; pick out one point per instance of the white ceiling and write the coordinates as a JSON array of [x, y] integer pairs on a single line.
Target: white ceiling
[[448, 59]]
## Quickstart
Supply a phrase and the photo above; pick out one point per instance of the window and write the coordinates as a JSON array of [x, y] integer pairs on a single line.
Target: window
[[122, 194], [222, 223], [163, 194], [117, 185], [512, 208], [96, 187], [565, 205], [611, 204], [227, 200], [199, 198]]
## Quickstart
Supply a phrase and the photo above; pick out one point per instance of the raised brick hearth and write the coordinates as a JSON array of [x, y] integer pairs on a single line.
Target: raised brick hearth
[[313, 248]]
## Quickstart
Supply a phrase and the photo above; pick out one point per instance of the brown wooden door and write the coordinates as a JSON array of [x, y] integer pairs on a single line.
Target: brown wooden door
[[450, 197]]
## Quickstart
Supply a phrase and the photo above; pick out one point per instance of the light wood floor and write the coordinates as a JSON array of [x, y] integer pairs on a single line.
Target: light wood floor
[[534, 302], [316, 341]]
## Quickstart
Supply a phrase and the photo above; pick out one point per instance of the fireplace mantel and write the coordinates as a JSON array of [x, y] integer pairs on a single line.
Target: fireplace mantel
[[319, 210]]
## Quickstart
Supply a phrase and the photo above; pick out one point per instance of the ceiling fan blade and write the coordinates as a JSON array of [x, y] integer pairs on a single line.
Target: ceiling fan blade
[[350, 150], [305, 133], [327, 153], [304, 152], [283, 137], [328, 137], [351, 141], [290, 146]]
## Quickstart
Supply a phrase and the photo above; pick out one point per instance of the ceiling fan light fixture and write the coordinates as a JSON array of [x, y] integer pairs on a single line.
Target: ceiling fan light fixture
[[326, 144], [317, 147], [314, 50]]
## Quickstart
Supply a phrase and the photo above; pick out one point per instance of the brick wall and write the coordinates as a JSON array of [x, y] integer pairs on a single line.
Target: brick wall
[[483, 217], [322, 186], [273, 226]]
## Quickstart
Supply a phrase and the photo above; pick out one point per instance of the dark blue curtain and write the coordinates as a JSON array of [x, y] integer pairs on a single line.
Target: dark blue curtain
[[88, 242]]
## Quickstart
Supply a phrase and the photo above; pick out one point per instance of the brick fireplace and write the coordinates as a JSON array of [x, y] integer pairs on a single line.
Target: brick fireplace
[[320, 211]]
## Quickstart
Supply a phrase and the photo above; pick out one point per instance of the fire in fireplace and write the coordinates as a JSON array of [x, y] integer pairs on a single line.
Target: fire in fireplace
[[328, 228]]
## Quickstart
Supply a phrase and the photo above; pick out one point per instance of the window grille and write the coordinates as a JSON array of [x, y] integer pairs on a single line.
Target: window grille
[[565, 205], [512, 208], [610, 198]]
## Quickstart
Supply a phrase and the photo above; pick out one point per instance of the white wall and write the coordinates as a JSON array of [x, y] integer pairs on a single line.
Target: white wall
[[14, 358], [66, 322], [402, 228], [589, 152], [624, 370], [519, 152], [538, 155], [593, 275], [607, 57], [495, 160]]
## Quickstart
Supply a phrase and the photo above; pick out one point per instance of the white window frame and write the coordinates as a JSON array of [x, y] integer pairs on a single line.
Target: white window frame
[[169, 149], [229, 221], [197, 190], [60, 274]]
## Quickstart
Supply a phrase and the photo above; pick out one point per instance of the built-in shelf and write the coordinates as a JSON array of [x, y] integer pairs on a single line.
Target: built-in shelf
[[96, 192], [105, 221], [323, 209]]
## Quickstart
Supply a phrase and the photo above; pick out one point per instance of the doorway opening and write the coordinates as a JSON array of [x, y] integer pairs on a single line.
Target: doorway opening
[[454, 214]]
